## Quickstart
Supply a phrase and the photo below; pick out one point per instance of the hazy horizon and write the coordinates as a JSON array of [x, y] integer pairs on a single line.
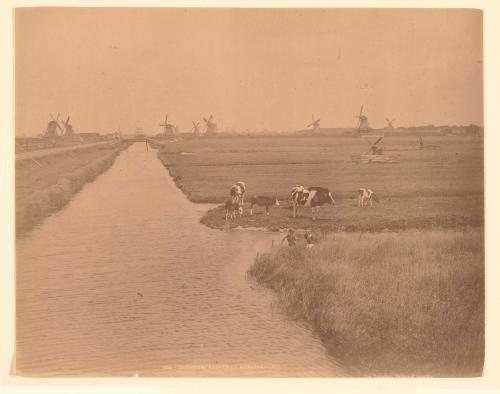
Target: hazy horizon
[[253, 69]]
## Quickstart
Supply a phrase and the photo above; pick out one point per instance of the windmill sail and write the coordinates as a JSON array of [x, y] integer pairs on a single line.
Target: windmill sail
[[52, 127], [168, 129], [211, 126], [374, 149], [314, 124], [363, 125], [196, 128]]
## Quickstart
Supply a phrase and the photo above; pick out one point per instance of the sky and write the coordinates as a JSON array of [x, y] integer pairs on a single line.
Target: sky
[[123, 68]]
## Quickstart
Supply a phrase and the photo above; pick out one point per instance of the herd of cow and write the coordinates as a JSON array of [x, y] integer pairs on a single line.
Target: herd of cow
[[312, 197]]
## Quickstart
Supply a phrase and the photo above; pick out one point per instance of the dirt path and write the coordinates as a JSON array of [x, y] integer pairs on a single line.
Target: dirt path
[[48, 152]]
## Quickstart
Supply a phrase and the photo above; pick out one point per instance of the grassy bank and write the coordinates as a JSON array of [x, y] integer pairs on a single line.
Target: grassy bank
[[43, 190], [408, 304], [393, 214]]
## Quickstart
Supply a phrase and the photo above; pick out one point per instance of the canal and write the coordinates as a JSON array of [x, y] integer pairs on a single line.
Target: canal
[[125, 281]]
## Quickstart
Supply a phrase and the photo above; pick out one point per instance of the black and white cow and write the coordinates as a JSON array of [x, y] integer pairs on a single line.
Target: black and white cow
[[313, 197], [263, 201], [366, 195], [233, 207], [238, 190]]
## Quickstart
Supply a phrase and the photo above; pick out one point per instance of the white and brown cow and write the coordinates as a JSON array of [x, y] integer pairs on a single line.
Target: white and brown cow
[[233, 208], [238, 190], [263, 201], [313, 197], [365, 196]]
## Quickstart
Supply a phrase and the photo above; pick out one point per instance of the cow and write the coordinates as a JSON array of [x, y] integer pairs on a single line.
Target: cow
[[313, 197], [364, 195], [263, 201], [233, 206], [238, 190], [243, 189]]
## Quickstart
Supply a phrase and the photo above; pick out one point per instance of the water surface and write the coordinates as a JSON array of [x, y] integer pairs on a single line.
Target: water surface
[[125, 281]]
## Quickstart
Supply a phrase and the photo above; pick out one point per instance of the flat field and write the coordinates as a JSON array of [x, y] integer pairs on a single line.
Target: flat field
[[435, 188]]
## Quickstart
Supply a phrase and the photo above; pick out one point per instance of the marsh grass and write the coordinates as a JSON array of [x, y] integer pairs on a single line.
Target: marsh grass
[[408, 304]]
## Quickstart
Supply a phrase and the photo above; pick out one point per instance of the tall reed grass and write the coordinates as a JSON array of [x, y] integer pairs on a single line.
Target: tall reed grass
[[388, 304]]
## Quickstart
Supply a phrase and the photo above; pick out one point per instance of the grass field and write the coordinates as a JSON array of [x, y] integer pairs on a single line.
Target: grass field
[[46, 187], [426, 189], [407, 304]]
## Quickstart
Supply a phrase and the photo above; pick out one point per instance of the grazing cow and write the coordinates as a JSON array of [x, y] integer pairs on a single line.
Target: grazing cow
[[263, 201], [238, 190], [366, 195], [233, 206], [313, 197], [243, 189]]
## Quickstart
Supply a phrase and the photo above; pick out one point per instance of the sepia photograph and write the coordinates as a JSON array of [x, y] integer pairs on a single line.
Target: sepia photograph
[[249, 192]]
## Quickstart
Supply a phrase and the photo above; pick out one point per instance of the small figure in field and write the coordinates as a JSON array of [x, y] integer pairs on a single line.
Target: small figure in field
[[233, 207], [290, 237], [309, 239], [263, 201], [366, 195]]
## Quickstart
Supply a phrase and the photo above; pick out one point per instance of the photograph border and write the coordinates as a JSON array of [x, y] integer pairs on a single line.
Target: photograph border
[[491, 63]]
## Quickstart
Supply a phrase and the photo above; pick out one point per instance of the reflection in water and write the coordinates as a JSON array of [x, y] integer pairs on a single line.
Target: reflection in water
[[125, 280]]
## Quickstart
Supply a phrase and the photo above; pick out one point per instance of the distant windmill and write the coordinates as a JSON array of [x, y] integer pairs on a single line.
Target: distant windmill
[[52, 127], [169, 129], [375, 152], [196, 128], [374, 149], [314, 124], [211, 126], [363, 126], [68, 129], [390, 123]]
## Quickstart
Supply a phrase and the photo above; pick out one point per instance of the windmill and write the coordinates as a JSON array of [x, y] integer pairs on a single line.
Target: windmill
[[211, 126], [169, 129], [68, 129], [390, 123], [314, 124], [363, 126], [374, 149], [52, 127], [196, 128], [374, 154]]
